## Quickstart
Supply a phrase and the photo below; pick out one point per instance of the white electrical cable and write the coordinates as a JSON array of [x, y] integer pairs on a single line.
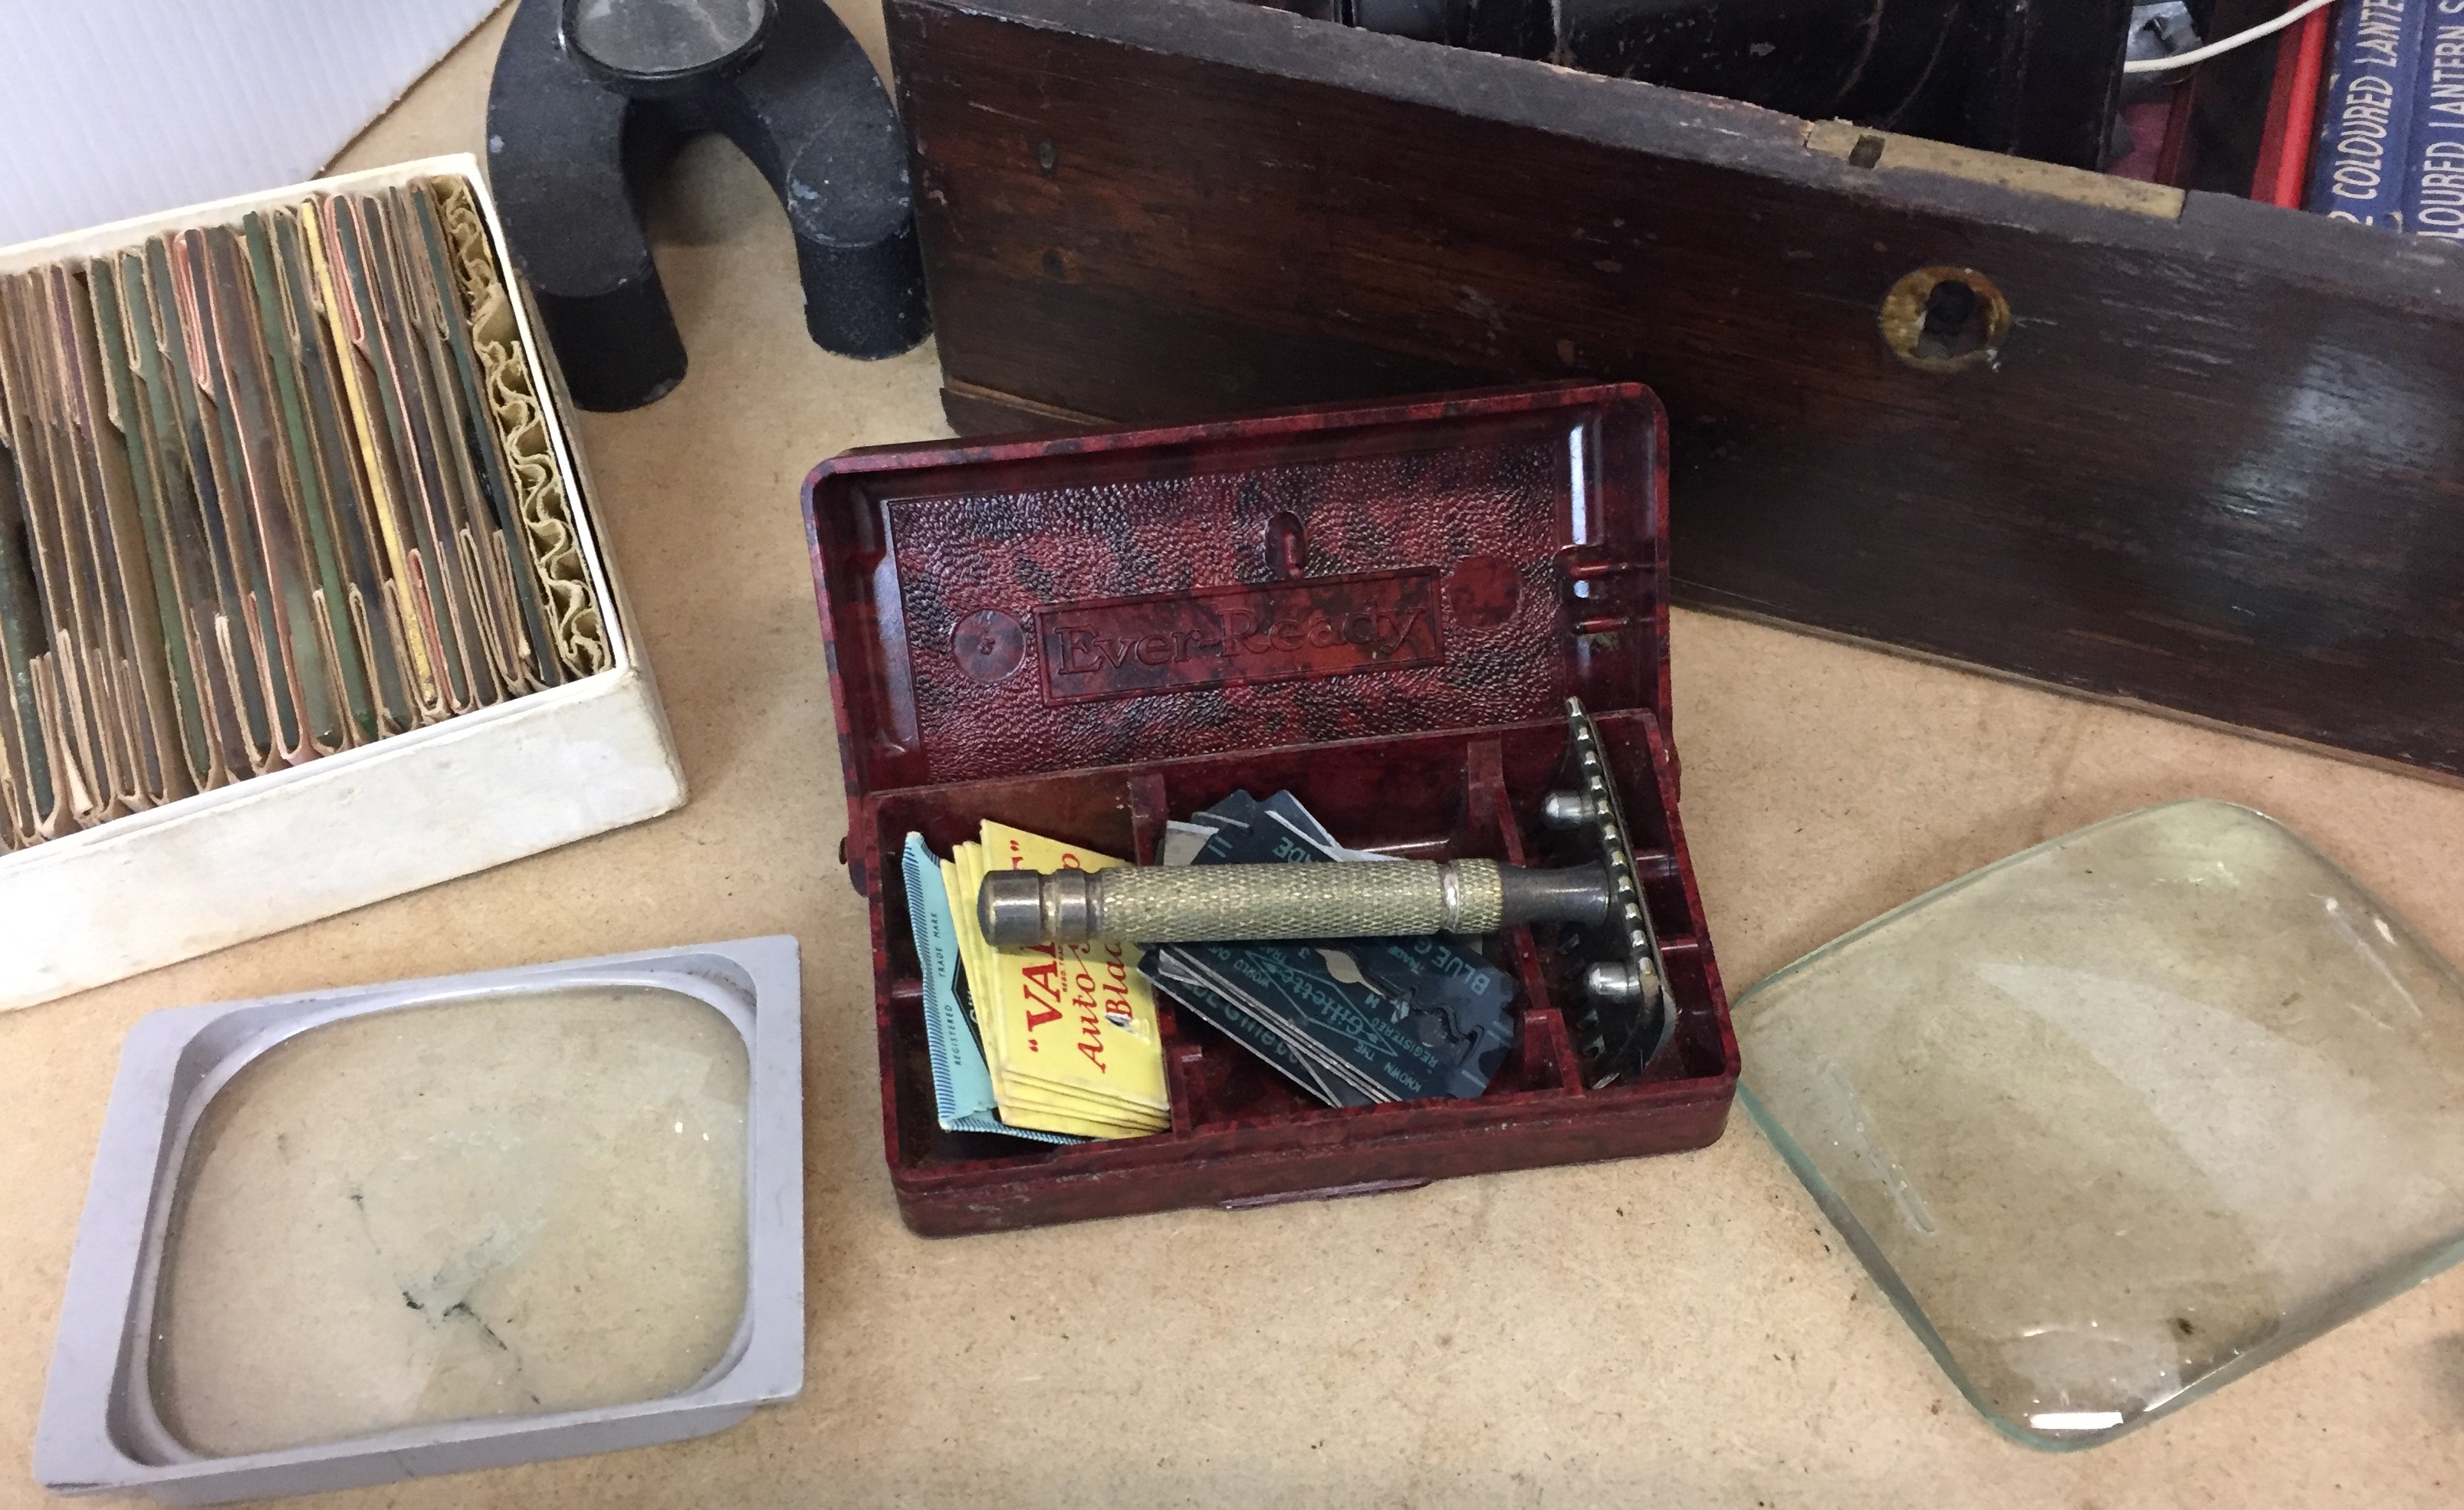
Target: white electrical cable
[[2199, 54]]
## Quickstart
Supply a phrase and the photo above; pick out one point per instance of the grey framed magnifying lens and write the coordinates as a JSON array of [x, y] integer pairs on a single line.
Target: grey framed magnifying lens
[[357, 1235]]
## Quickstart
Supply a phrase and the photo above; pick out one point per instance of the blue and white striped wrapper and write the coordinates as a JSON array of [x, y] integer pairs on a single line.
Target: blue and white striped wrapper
[[2433, 188], [2366, 120]]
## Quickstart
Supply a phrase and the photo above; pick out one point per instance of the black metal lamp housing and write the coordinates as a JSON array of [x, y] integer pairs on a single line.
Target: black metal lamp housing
[[592, 97]]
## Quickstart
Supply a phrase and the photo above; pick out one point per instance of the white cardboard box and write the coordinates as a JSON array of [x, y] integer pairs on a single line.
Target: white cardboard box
[[289, 848]]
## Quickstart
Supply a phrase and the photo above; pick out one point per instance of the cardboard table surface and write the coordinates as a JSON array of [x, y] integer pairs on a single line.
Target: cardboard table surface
[[1679, 1331]]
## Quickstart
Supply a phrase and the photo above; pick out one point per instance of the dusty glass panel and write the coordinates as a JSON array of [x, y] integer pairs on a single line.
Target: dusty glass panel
[[510, 1204], [2127, 1114]]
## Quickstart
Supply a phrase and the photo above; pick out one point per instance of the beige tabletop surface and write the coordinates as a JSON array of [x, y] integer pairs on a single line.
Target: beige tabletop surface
[[1678, 1331]]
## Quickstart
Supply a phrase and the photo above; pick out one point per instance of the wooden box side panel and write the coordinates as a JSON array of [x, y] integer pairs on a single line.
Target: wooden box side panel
[[2214, 469]]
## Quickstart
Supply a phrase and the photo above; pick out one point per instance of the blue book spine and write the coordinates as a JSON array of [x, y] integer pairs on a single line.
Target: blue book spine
[[2433, 190], [2366, 117]]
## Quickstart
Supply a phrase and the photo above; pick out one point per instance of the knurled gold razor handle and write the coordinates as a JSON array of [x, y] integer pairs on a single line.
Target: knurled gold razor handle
[[1214, 903]]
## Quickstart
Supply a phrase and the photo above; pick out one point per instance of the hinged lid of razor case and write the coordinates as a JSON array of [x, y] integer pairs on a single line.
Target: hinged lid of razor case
[[1099, 599]]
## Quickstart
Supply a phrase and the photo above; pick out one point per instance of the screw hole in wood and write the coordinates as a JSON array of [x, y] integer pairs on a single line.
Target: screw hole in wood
[[1946, 320]]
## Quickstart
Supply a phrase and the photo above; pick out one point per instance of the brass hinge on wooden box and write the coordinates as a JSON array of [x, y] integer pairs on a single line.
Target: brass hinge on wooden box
[[1889, 152]]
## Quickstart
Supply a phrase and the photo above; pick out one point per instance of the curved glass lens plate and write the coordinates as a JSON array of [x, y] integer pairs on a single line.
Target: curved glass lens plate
[[508, 1205], [2126, 1115]]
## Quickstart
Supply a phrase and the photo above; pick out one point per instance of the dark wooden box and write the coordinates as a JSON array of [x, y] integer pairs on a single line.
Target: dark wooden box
[[2212, 464], [1527, 533]]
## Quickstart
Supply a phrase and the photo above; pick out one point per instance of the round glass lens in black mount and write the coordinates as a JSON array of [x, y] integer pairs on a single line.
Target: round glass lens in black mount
[[664, 47]]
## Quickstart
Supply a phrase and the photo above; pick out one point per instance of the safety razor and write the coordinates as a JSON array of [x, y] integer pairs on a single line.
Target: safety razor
[[1625, 1020]]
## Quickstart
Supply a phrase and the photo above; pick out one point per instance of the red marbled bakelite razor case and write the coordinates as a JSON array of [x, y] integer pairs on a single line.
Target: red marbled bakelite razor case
[[1381, 609]]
